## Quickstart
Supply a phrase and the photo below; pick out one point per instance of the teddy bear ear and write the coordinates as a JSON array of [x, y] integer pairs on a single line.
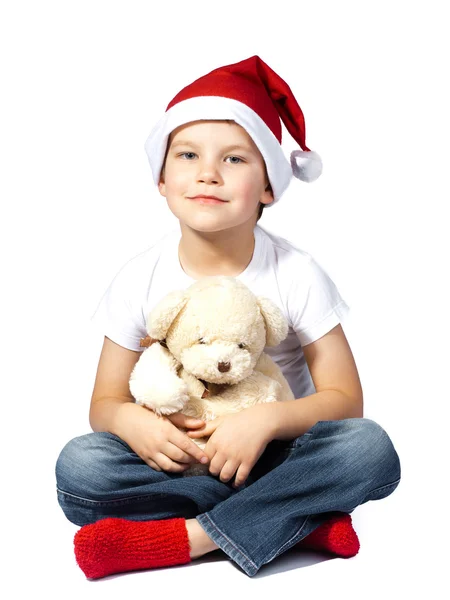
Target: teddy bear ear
[[164, 313], [274, 320]]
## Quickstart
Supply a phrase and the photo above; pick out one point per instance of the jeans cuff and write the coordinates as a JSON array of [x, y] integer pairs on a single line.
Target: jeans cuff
[[227, 545]]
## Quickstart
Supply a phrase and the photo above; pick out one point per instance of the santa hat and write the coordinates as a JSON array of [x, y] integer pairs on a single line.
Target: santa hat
[[254, 96]]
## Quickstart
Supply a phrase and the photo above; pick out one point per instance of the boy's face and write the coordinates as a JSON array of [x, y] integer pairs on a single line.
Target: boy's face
[[214, 158]]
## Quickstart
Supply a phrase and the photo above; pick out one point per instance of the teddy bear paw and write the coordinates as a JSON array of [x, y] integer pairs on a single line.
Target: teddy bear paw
[[169, 397], [172, 408], [272, 393]]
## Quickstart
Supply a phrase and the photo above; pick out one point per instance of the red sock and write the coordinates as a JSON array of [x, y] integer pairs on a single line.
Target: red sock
[[117, 545], [336, 536]]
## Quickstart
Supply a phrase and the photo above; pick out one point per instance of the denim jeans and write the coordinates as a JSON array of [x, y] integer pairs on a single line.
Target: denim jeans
[[293, 488]]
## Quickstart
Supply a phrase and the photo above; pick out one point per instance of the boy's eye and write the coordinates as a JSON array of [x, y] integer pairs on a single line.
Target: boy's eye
[[235, 160]]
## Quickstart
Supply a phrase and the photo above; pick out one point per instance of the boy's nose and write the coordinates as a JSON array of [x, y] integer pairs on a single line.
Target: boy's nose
[[209, 174], [208, 180]]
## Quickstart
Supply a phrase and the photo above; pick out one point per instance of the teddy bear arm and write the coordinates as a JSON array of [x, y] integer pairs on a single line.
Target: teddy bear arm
[[154, 381], [195, 387], [268, 367]]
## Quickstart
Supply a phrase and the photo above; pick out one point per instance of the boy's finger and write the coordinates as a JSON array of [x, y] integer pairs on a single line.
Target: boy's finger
[[199, 433], [181, 420], [196, 423], [191, 422], [197, 453], [202, 457]]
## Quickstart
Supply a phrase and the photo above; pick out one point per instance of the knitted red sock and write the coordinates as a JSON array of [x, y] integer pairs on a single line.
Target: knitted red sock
[[117, 545], [336, 536]]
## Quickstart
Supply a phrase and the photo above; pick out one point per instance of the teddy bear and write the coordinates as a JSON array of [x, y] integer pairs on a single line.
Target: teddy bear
[[204, 353]]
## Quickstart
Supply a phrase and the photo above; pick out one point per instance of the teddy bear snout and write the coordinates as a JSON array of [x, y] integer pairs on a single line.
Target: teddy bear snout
[[224, 367]]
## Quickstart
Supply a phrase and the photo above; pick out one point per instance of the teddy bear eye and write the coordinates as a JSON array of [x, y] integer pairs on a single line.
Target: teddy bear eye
[[201, 341], [241, 345]]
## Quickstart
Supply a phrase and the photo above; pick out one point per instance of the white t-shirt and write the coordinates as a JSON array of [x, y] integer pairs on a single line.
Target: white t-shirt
[[287, 275]]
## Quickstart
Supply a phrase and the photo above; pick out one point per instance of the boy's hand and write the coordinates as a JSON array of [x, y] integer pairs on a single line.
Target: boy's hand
[[237, 441], [157, 440]]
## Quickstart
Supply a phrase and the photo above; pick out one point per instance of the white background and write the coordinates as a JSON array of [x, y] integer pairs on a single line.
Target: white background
[[82, 85]]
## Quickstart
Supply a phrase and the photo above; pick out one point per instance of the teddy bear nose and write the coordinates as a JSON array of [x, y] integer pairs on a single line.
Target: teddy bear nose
[[224, 367]]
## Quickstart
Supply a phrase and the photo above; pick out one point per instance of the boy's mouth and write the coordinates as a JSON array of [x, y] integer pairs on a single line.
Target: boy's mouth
[[208, 199]]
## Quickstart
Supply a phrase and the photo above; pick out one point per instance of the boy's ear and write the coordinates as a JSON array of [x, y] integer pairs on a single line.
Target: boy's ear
[[267, 196], [162, 186]]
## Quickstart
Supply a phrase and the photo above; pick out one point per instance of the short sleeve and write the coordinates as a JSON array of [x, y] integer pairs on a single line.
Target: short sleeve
[[315, 305], [120, 315]]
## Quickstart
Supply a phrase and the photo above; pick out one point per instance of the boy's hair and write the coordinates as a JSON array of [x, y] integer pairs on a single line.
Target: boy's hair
[[261, 205], [260, 212]]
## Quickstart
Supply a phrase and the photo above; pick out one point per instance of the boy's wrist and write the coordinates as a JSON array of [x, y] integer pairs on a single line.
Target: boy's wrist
[[119, 419], [122, 416], [111, 414], [273, 419]]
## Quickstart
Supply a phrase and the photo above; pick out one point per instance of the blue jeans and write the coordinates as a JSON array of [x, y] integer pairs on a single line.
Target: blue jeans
[[293, 488]]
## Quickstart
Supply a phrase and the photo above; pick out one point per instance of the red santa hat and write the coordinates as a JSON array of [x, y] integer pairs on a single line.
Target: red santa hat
[[254, 96]]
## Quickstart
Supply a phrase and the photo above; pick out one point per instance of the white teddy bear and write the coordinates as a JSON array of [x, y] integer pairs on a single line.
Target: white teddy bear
[[210, 358]]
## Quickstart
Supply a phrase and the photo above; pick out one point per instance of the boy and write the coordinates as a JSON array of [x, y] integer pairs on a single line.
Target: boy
[[299, 467]]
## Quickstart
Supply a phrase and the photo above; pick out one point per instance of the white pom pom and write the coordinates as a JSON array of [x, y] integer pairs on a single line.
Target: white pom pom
[[306, 166]]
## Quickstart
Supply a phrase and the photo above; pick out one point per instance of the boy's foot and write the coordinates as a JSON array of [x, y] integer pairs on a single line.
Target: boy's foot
[[118, 545], [336, 536]]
